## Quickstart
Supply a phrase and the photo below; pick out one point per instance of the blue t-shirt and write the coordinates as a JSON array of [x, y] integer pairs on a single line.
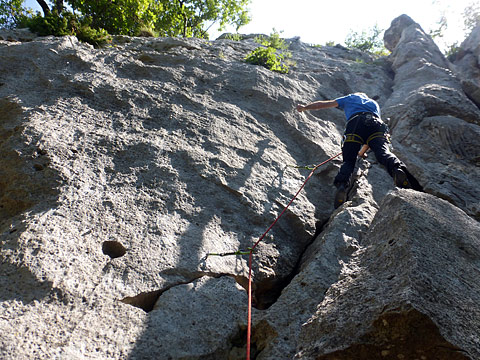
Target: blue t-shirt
[[357, 103]]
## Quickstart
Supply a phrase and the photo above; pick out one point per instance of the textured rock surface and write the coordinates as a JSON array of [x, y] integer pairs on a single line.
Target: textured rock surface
[[467, 65], [414, 285], [435, 125], [393, 34], [124, 167]]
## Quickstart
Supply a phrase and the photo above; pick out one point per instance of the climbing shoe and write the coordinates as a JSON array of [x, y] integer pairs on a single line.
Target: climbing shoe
[[340, 195], [400, 178]]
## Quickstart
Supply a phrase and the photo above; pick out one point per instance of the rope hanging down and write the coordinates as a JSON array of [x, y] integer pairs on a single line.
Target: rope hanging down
[[251, 249]]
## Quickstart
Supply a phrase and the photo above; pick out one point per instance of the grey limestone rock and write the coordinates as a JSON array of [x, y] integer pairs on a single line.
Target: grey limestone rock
[[123, 168], [407, 292], [394, 32], [467, 65], [430, 110]]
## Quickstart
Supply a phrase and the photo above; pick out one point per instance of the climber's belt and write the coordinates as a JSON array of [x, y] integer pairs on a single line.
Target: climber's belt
[[369, 120], [353, 138], [366, 115], [380, 134]]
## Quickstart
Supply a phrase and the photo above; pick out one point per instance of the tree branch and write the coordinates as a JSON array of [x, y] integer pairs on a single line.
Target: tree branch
[[44, 6], [59, 6]]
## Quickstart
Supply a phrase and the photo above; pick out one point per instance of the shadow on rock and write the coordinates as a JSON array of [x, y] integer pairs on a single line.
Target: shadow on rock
[[27, 185]]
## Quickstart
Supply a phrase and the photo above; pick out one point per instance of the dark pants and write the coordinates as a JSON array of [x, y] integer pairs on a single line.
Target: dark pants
[[365, 129]]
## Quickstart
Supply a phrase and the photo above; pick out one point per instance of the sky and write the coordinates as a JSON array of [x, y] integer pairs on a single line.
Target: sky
[[319, 22]]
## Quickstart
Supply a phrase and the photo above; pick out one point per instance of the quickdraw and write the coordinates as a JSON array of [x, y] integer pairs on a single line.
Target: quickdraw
[[305, 167], [239, 252]]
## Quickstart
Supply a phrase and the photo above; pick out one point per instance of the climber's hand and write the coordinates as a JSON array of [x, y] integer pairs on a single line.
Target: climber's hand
[[363, 151]]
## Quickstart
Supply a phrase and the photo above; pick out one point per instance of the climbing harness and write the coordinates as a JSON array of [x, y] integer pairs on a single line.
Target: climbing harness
[[251, 249], [352, 138], [379, 134], [370, 120]]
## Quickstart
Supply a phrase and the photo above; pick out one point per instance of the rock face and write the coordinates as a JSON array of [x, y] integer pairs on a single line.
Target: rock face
[[429, 110], [413, 277], [124, 167], [467, 65]]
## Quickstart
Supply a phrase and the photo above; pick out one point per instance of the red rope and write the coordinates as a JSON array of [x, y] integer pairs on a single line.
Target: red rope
[[249, 317]]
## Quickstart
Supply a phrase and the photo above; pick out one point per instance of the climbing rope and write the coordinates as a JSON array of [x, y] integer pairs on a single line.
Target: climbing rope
[[250, 250]]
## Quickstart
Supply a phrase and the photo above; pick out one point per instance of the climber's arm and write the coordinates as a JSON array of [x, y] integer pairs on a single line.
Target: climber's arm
[[317, 105], [363, 151]]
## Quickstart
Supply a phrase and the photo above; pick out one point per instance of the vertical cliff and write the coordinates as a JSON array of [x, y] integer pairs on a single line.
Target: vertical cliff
[[124, 167]]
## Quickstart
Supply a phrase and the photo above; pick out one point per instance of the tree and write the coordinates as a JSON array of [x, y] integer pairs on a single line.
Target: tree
[[471, 16], [369, 40], [190, 17], [442, 26], [10, 12], [123, 17], [128, 17]]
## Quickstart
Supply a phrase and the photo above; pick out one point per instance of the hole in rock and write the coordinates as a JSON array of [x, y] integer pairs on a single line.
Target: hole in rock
[[265, 293], [113, 249], [145, 301], [239, 343], [262, 335]]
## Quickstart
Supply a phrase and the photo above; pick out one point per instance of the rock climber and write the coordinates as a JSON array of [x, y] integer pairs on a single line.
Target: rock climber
[[364, 129]]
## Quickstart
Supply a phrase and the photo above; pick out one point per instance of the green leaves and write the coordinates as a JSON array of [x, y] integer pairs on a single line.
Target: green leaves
[[471, 16], [272, 56], [51, 24], [268, 58], [165, 17], [185, 18], [190, 18], [368, 40], [66, 24], [123, 17], [11, 13]]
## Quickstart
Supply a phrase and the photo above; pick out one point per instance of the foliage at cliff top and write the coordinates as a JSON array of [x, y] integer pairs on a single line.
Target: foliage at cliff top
[[370, 40], [184, 18], [272, 54]]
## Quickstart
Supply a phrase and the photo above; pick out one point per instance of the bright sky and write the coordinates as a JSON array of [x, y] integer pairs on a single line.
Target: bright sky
[[318, 22]]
